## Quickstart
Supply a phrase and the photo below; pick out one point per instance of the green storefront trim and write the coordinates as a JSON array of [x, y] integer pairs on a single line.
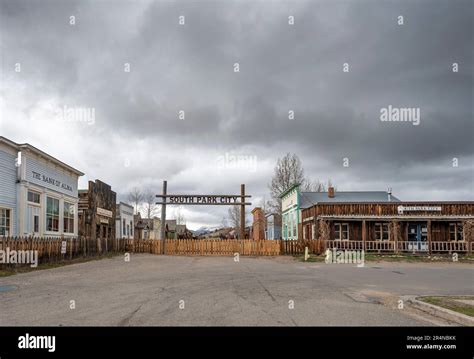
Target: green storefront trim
[[291, 213]]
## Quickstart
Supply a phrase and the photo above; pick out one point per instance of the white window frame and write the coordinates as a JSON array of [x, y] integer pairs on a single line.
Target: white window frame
[[9, 227], [69, 218], [46, 214], [457, 234], [379, 230], [341, 225], [33, 203]]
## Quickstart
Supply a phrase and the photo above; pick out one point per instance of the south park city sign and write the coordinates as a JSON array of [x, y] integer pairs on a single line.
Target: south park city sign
[[205, 199], [194, 199]]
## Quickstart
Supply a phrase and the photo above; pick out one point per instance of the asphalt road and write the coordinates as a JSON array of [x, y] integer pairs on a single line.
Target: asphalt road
[[171, 290]]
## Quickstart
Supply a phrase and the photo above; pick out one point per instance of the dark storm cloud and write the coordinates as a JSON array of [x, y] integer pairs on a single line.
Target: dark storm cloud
[[282, 68]]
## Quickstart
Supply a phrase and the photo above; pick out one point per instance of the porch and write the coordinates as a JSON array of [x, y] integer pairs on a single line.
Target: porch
[[393, 235]]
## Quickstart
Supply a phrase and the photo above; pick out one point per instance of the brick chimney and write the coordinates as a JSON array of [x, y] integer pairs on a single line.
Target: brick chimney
[[258, 225], [331, 192]]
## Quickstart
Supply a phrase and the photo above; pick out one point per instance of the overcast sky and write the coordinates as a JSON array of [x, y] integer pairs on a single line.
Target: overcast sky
[[74, 54]]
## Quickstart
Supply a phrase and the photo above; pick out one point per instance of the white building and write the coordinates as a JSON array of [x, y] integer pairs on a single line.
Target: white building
[[124, 221], [38, 193]]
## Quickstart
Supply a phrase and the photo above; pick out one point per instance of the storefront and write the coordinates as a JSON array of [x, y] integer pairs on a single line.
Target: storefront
[[273, 226], [402, 226], [124, 221], [38, 193], [97, 211], [290, 212], [295, 201]]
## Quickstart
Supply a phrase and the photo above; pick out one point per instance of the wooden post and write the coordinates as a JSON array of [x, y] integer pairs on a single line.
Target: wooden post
[[163, 218], [429, 235], [364, 235], [396, 233], [242, 211]]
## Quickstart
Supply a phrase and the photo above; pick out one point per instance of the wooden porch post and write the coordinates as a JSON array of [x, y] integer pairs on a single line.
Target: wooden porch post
[[395, 233], [429, 235], [467, 232], [364, 234]]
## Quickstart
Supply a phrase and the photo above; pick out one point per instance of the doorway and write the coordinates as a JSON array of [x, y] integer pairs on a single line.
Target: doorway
[[33, 220], [418, 237]]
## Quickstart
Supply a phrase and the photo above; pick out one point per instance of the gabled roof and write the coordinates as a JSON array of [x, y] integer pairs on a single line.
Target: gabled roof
[[27, 146], [289, 189], [308, 199]]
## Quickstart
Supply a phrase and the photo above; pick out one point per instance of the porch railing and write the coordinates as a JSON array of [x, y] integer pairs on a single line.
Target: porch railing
[[401, 246]]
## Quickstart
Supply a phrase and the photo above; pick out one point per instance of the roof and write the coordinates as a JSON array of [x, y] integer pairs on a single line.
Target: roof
[[171, 224], [308, 199], [124, 204], [272, 214], [21, 146], [289, 189]]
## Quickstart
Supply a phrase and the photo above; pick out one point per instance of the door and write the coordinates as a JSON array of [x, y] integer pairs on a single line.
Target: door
[[417, 237], [33, 220]]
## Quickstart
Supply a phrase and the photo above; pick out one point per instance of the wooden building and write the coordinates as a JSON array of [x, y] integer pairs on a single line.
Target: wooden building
[[273, 226], [38, 193], [294, 201], [398, 226], [97, 211]]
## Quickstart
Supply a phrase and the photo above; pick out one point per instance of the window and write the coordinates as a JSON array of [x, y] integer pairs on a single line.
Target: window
[[294, 225], [128, 230], [4, 222], [36, 224], [123, 227], [455, 232], [341, 231], [52, 214], [33, 197], [33, 219], [381, 232], [68, 217], [131, 228]]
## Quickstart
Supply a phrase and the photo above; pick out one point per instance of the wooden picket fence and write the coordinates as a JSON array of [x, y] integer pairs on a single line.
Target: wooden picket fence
[[225, 247], [295, 247], [49, 250]]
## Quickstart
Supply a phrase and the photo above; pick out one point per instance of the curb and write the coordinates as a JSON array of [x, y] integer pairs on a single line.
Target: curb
[[439, 312]]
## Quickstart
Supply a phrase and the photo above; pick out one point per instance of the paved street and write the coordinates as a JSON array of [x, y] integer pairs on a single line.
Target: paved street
[[166, 290]]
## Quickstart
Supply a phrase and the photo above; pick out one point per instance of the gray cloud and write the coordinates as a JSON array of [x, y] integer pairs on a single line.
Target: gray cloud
[[283, 68]]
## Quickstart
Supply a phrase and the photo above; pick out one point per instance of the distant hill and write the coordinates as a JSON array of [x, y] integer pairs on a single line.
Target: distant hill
[[204, 230]]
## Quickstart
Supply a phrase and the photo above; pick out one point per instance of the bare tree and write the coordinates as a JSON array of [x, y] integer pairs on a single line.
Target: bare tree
[[149, 204], [288, 171], [224, 222], [316, 186], [234, 218], [135, 198], [180, 219]]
